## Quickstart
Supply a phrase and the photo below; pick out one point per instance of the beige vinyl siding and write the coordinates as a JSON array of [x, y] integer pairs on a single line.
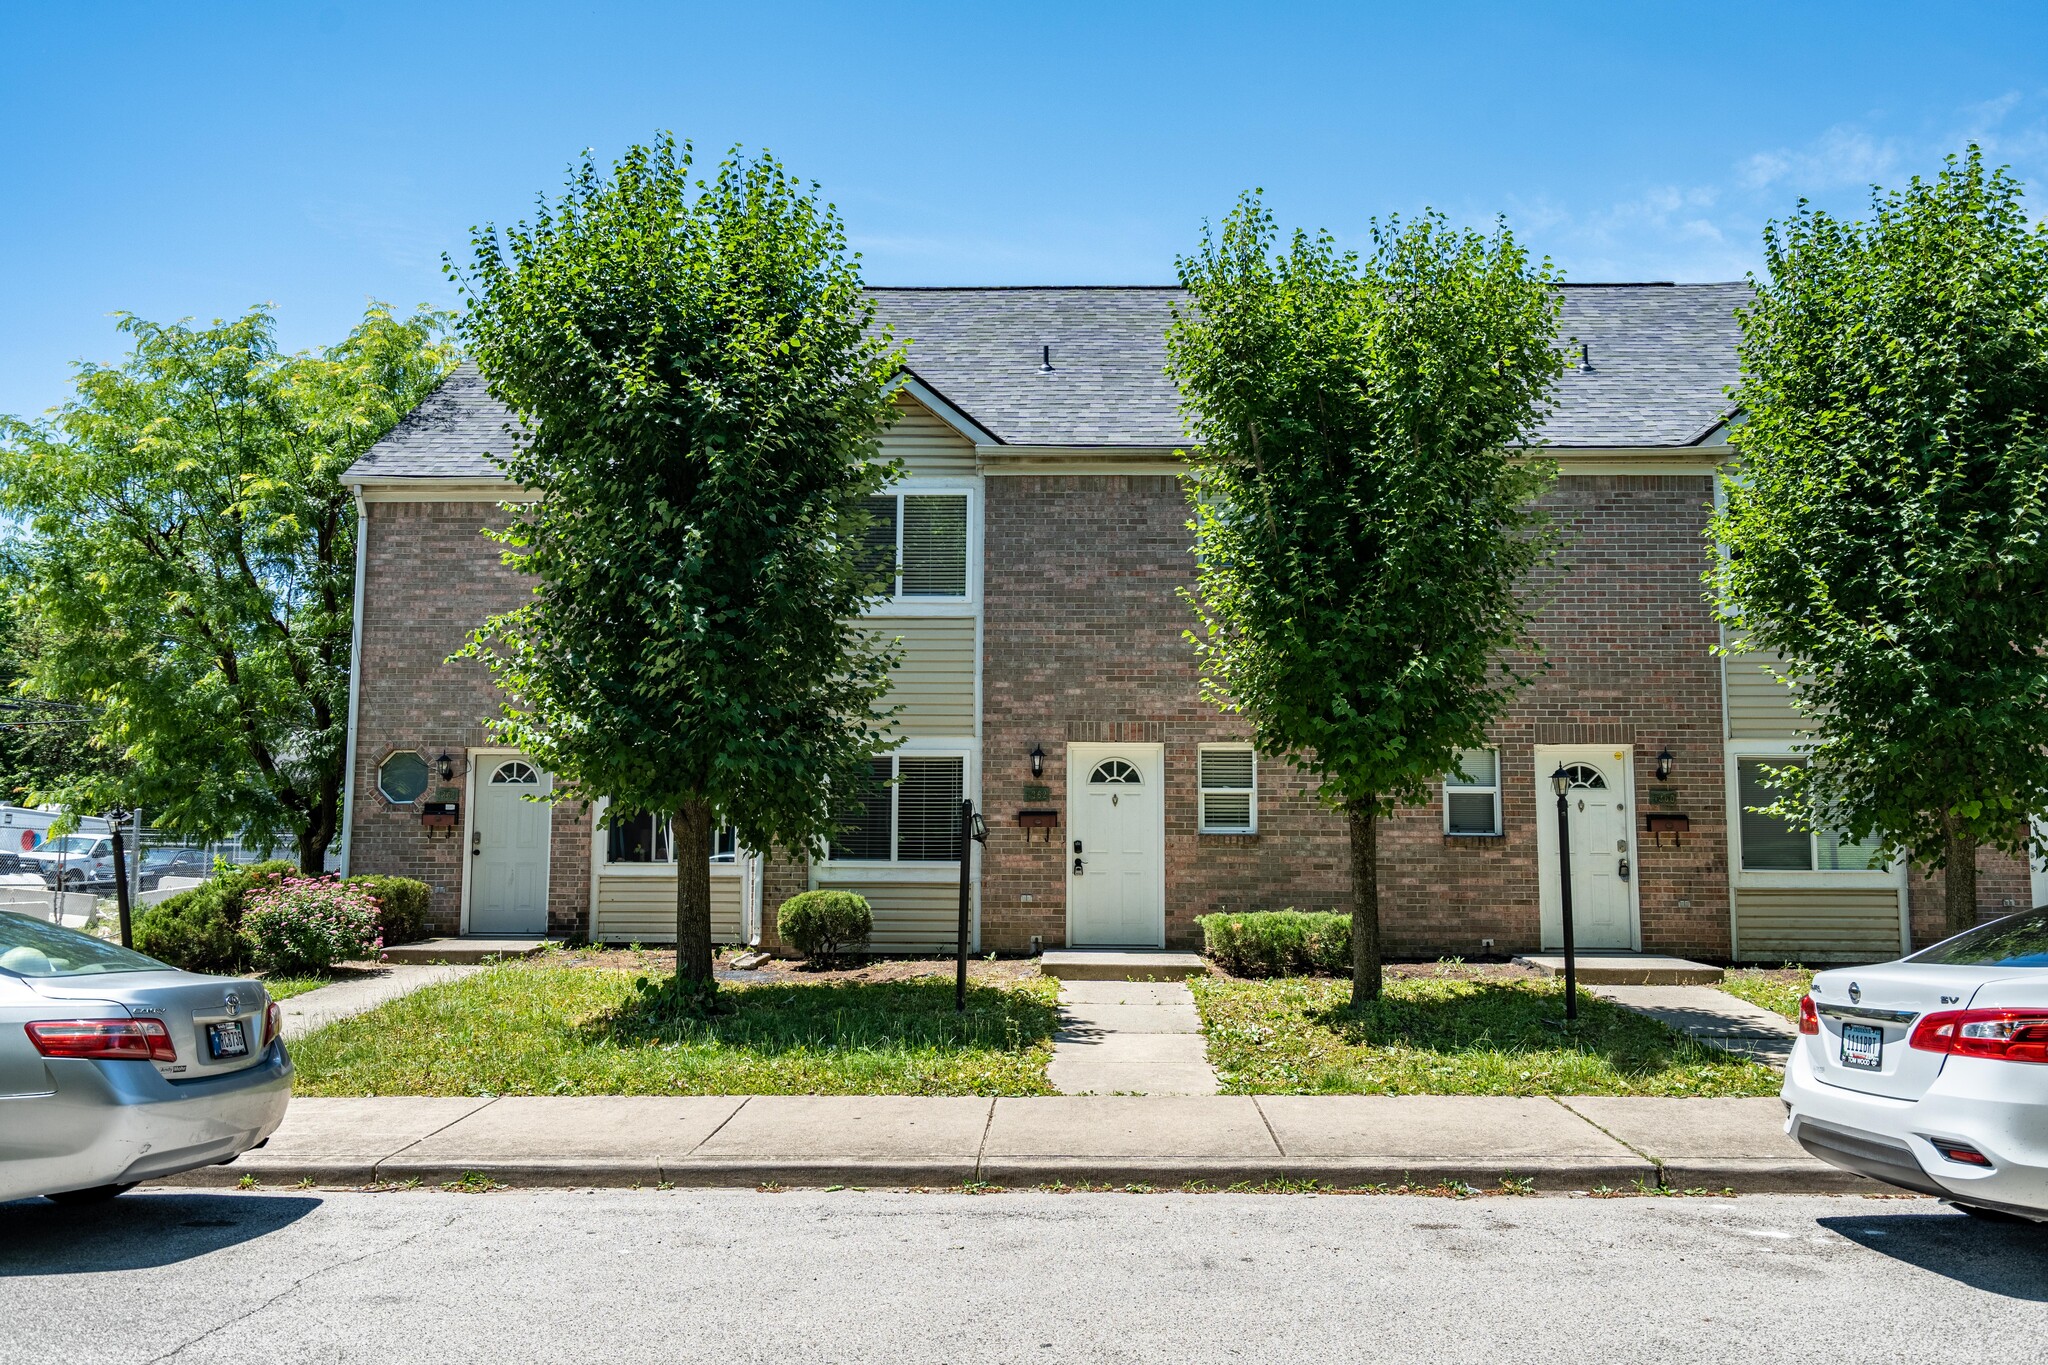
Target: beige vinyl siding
[[1759, 706], [935, 682], [926, 445], [641, 908], [1859, 924], [910, 917]]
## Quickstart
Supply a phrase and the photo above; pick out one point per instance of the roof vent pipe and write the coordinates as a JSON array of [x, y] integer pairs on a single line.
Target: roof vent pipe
[[1046, 368], [1585, 357]]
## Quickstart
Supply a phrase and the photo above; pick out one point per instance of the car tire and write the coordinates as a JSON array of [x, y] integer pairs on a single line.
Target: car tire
[[74, 882], [98, 1194]]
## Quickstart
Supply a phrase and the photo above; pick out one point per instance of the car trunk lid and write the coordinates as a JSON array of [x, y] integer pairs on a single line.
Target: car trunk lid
[[216, 1023], [1867, 1014]]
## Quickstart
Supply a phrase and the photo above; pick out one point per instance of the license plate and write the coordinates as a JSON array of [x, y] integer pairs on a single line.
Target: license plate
[[227, 1040], [1863, 1047]]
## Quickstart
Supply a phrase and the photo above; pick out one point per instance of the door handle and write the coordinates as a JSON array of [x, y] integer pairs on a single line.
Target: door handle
[[1078, 865], [1621, 869], [476, 842]]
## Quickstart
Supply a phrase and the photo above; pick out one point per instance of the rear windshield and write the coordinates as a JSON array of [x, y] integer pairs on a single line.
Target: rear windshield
[[2016, 941], [32, 947]]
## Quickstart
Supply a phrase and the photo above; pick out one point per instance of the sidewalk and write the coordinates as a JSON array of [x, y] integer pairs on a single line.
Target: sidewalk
[[1574, 1143], [1711, 1016]]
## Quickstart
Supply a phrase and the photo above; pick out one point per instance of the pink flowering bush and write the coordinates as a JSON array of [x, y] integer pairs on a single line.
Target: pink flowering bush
[[307, 924]]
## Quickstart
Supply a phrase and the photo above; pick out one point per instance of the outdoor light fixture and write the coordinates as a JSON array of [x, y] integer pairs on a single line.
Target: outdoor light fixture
[[1561, 783], [446, 765], [1038, 760], [1664, 766]]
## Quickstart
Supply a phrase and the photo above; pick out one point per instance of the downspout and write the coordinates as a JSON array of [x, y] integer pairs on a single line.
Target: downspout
[[355, 686]]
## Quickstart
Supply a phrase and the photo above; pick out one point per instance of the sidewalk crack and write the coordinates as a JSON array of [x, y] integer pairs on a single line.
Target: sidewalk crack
[[377, 1166], [1260, 1110], [1655, 1164]]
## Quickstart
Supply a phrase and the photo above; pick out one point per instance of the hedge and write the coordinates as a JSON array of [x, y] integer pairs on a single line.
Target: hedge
[[1279, 942], [200, 930], [402, 905], [825, 925]]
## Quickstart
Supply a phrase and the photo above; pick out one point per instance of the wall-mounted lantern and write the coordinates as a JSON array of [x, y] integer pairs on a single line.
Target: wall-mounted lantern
[[446, 766], [1038, 760], [1664, 766]]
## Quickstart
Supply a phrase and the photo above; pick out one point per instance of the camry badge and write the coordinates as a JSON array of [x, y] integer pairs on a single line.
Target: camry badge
[[234, 1003], [1855, 993]]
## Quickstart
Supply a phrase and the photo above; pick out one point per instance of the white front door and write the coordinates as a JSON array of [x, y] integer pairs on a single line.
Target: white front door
[[1602, 846], [508, 847], [1116, 849]]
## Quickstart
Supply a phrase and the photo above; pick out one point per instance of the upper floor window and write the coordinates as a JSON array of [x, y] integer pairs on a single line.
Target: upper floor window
[[908, 811], [1228, 775], [923, 538], [1771, 843], [1472, 792]]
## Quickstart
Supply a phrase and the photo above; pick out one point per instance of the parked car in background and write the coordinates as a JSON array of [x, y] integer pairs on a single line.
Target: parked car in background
[[1931, 1073], [159, 863], [115, 1068], [84, 861]]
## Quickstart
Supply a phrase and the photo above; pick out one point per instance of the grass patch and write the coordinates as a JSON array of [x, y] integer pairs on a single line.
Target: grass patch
[[1438, 1036], [1777, 989], [522, 1030], [285, 987]]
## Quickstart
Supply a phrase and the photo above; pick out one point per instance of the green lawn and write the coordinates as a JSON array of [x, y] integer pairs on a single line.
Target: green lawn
[[285, 987], [526, 1030], [1435, 1036], [1776, 989]]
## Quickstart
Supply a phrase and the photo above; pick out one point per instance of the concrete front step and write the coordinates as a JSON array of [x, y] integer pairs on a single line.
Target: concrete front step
[[1121, 964], [1626, 969], [467, 948]]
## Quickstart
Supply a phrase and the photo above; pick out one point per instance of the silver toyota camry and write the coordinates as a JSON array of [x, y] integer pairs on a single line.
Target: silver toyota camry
[[115, 1068]]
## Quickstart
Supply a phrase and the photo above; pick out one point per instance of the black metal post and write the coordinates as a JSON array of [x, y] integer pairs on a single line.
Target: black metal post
[[1564, 887], [966, 871], [114, 819]]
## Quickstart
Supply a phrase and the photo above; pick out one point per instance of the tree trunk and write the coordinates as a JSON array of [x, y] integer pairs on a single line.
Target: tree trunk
[[1365, 902], [693, 899], [1959, 880]]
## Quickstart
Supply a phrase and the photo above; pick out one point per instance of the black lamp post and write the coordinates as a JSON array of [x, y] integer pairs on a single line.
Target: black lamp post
[[1562, 782], [114, 819], [973, 830]]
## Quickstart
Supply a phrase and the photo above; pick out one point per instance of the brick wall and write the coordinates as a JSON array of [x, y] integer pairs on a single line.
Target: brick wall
[[1082, 641], [430, 577], [2003, 887]]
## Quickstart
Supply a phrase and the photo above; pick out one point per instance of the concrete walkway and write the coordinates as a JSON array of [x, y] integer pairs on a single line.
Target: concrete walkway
[[372, 987], [1711, 1016], [1129, 1038], [1346, 1140]]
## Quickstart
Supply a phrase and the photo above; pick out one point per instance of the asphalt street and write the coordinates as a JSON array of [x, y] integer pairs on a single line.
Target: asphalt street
[[623, 1275]]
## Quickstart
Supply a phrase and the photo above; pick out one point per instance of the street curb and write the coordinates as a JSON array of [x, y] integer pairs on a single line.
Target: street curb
[[1555, 1175]]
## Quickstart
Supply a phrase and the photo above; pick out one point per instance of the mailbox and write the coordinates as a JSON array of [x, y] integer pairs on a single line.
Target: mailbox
[[1047, 820], [1660, 823], [440, 814]]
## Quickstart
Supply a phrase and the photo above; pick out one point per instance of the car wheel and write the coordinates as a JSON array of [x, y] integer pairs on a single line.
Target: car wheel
[[98, 1194], [1993, 1215], [74, 881]]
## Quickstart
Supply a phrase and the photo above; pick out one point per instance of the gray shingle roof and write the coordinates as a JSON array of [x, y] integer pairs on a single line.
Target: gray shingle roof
[[1662, 359]]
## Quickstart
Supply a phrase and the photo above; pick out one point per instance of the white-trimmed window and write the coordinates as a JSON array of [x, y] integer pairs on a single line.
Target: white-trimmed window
[[923, 538], [648, 839], [1771, 843], [908, 811], [1472, 794], [1228, 776]]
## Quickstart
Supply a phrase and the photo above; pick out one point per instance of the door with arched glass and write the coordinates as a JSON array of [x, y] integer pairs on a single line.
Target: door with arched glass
[[1597, 804], [508, 846], [1116, 853]]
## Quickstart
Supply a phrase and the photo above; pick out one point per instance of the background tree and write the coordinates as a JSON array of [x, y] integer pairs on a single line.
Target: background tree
[[1888, 533], [704, 395], [1362, 524], [185, 552], [42, 743]]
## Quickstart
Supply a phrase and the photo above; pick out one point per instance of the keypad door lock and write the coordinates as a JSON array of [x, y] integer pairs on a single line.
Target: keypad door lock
[[1078, 864], [476, 842]]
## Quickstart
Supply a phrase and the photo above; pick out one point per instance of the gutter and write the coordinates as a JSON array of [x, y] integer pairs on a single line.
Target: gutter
[[355, 686]]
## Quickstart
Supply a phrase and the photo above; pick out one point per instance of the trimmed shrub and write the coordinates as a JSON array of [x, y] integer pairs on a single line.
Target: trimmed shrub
[[1279, 942], [200, 930], [402, 905], [825, 925], [307, 924]]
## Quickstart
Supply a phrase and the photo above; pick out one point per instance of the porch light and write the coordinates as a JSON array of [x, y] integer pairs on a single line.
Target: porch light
[[1038, 760], [445, 765], [1560, 781], [1664, 766]]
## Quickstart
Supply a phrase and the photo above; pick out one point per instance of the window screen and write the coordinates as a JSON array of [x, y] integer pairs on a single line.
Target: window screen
[[1228, 775], [1472, 793], [928, 796], [1769, 844], [865, 824], [934, 545]]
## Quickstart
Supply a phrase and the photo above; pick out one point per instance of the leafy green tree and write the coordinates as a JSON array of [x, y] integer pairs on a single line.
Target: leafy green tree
[[185, 550], [1363, 524], [703, 392], [42, 743], [1888, 532]]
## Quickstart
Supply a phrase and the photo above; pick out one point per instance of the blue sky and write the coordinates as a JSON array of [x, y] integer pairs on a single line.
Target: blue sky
[[193, 159]]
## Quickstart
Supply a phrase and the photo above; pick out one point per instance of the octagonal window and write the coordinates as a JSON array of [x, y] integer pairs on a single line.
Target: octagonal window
[[402, 778]]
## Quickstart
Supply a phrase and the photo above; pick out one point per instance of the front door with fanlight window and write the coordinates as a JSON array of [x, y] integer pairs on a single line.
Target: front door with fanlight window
[[1116, 846], [1602, 846], [508, 846]]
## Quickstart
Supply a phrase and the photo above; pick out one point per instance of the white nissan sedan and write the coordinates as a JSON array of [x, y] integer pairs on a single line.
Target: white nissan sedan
[[1931, 1073]]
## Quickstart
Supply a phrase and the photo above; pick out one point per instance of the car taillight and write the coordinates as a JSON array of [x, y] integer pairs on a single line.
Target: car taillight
[[1809, 1017], [140, 1040], [273, 1024], [2004, 1035]]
